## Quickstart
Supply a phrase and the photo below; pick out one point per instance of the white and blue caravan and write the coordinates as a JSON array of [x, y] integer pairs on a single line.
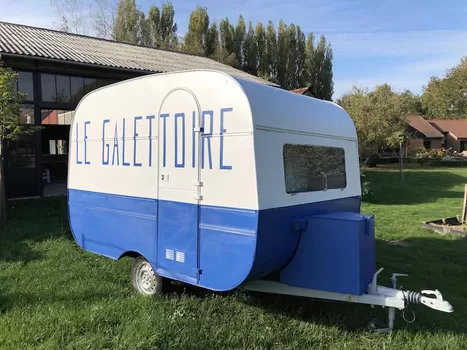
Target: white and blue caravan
[[221, 182]]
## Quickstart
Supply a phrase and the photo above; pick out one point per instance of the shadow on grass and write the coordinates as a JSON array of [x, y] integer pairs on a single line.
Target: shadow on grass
[[419, 186], [10, 300], [29, 222], [431, 263]]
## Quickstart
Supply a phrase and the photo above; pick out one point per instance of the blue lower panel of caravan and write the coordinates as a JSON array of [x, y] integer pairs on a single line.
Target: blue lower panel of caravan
[[227, 245], [111, 225], [228, 242], [178, 238], [335, 254], [278, 238], [166, 234]]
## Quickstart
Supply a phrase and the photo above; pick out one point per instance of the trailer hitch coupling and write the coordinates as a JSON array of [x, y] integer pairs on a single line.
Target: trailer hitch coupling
[[431, 298]]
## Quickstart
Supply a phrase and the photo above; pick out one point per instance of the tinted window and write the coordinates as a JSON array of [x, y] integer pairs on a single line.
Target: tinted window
[[77, 89], [313, 168], [22, 153], [89, 85], [25, 85], [26, 114], [49, 88], [63, 89], [56, 117]]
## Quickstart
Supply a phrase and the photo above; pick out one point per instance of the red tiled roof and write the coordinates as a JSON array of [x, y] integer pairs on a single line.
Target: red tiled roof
[[300, 90], [418, 123], [457, 127]]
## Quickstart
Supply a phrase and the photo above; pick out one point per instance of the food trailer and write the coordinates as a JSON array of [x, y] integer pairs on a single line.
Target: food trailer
[[223, 182]]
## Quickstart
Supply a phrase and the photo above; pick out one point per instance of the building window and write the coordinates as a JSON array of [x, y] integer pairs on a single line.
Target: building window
[[66, 89], [49, 88], [25, 85], [427, 144], [56, 147], [63, 89], [77, 89], [22, 153], [313, 168], [26, 114], [90, 84], [56, 117]]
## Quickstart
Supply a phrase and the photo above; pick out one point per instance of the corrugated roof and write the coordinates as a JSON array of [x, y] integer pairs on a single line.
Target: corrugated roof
[[17, 39], [457, 127], [422, 125]]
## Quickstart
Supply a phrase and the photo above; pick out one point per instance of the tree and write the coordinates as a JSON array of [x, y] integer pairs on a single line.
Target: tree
[[291, 61], [103, 15], [126, 24], [227, 42], [143, 35], [168, 27], [71, 15], [195, 38], [154, 26], [10, 126], [213, 47], [318, 67], [250, 59], [282, 55], [260, 40], [81, 16], [240, 32], [379, 117], [272, 52], [162, 27], [309, 75], [300, 72], [446, 98]]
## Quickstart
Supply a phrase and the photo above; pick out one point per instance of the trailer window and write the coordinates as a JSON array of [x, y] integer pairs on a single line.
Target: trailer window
[[313, 168]]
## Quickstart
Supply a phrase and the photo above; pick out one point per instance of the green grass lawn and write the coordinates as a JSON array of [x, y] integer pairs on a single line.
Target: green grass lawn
[[54, 295]]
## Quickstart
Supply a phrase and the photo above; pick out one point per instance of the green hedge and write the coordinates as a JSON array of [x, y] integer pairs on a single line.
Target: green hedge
[[412, 160]]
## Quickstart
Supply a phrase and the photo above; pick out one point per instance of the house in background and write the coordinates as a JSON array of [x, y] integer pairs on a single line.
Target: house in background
[[304, 91], [423, 134], [454, 131]]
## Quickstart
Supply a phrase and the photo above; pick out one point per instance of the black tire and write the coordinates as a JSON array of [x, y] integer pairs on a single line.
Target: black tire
[[143, 277], [374, 325]]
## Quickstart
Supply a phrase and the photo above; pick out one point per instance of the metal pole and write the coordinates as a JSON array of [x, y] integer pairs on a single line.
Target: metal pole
[[401, 162]]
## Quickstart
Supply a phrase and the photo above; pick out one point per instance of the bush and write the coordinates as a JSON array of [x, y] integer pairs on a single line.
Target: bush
[[366, 191], [422, 153]]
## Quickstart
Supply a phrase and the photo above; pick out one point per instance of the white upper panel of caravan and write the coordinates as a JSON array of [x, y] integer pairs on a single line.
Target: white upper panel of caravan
[[127, 136], [283, 117], [155, 113]]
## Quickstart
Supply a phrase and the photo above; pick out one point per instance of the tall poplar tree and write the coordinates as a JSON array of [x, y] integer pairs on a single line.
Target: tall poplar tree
[[260, 40], [240, 33], [282, 55], [250, 61], [125, 27], [272, 52], [195, 38]]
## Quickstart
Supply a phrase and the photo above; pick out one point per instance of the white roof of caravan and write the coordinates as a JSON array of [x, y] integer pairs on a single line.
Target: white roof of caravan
[[278, 109]]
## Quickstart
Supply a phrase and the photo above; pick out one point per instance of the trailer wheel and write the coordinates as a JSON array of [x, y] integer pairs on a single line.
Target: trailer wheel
[[143, 277], [374, 325]]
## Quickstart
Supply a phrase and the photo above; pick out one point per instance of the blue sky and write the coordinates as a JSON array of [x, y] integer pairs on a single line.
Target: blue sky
[[399, 42]]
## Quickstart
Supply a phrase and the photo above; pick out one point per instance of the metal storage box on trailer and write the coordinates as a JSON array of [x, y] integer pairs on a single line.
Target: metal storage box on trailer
[[221, 182]]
